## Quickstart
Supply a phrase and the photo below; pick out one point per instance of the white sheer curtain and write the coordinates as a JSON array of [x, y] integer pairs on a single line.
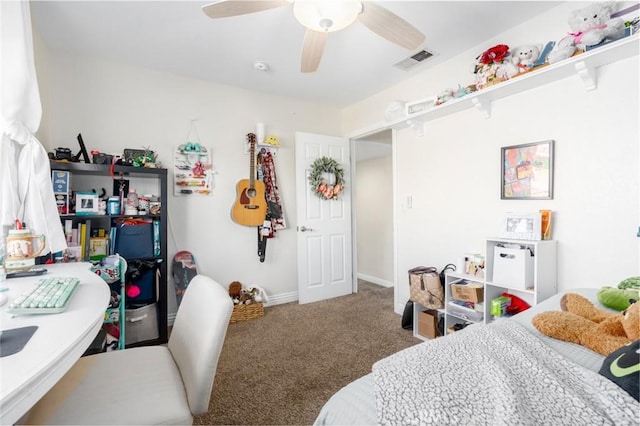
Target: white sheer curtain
[[26, 192]]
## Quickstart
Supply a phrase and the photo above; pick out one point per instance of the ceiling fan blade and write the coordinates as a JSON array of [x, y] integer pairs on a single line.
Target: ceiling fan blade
[[312, 49], [390, 26], [226, 8]]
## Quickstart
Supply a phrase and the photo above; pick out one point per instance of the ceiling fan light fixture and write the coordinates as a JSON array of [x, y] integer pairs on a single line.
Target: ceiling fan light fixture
[[327, 15]]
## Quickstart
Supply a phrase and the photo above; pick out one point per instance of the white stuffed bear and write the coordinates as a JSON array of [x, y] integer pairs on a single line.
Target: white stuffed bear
[[589, 26], [525, 56], [520, 59]]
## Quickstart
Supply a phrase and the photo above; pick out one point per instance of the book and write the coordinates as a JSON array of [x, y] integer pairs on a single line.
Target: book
[[68, 230], [83, 237]]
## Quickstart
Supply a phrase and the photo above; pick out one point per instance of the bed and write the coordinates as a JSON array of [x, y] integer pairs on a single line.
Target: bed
[[502, 373]]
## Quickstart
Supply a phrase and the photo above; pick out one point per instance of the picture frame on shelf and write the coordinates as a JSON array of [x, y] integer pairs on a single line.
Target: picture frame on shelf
[[527, 171], [521, 226], [87, 203], [419, 106]]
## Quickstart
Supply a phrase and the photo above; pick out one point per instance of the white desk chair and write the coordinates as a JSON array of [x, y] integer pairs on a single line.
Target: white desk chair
[[148, 385]]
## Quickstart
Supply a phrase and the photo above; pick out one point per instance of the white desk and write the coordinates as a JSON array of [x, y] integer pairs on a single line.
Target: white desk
[[56, 345]]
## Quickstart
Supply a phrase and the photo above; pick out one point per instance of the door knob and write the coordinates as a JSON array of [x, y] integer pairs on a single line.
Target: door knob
[[304, 229]]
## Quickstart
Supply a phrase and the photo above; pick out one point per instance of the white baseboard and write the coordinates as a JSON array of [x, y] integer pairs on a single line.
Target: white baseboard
[[276, 299], [375, 280], [279, 299]]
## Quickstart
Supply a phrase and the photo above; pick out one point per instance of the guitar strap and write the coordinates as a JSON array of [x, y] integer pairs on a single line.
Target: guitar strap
[[262, 246], [275, 217]]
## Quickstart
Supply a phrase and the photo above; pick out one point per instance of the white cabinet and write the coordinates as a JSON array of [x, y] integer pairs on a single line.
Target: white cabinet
[[541, 285], [456, 311], [544, 270]]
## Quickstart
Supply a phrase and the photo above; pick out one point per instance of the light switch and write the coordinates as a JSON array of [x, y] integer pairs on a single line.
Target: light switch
[[409, 201]]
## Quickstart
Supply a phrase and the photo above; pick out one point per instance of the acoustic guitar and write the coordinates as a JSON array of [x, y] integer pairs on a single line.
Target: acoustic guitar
[[250, 207]]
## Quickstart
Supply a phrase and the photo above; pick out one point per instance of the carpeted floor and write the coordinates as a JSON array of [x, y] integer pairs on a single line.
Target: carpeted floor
[[280, 369]]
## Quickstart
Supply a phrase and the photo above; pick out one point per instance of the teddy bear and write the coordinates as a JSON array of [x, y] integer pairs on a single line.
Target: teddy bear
[[234, 291], [581, 322], [589, 26], [519, 60], [525, 56]]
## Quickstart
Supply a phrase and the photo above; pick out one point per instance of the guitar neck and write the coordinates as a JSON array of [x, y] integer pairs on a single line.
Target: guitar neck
[[252, 162]]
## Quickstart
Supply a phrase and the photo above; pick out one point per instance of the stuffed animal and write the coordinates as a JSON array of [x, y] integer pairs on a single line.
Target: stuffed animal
[[489, 66], [247, 296], [617, 298], [630, 283], [525, 56], [581, 322], [589, 26], [234, 289]]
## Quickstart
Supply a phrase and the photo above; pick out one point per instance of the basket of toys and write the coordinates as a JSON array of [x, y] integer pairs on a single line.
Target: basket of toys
[[247, 303]]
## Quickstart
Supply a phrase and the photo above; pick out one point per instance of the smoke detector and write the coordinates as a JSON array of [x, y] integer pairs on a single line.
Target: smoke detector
[[261, 66]]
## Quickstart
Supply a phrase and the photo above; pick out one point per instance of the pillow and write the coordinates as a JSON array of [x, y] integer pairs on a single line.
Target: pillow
[[623, 368]]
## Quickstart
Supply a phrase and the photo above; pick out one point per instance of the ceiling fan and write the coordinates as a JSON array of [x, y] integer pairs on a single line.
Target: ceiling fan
[[320, 17]]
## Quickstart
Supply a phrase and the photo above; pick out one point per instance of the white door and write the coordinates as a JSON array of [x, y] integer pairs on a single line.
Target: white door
[[323, 226]]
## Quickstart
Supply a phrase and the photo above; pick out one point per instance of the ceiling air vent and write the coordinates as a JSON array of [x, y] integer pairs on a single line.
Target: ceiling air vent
[[412, 61]]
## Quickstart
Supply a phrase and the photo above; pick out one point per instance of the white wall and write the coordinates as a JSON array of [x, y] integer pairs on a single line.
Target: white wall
[[116, 107], [374, 219], [453, 172]]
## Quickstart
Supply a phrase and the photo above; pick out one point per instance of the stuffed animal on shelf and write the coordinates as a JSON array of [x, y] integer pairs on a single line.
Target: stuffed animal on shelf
[[488, 68], [581, 322], [589, 26], [525, 56]]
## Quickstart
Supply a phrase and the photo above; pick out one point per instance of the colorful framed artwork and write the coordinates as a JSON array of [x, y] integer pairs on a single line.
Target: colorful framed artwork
[[527, 171]]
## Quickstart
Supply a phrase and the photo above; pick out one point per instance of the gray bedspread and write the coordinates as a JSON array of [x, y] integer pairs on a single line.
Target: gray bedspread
[[498, 374]]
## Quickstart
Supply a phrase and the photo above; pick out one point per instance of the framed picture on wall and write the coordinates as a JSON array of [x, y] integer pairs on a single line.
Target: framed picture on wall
[[527, 171]]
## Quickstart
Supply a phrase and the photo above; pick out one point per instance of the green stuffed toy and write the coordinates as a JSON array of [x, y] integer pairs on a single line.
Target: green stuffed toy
[[619, 298], [630, 283]]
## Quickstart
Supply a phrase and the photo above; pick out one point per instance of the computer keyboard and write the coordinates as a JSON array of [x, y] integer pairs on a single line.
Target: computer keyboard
[[50, 296]]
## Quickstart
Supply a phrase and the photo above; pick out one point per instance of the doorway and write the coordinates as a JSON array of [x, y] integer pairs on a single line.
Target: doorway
[[373, 208]]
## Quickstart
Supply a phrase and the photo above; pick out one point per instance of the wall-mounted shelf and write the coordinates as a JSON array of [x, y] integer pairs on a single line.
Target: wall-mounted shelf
[[583, 65]]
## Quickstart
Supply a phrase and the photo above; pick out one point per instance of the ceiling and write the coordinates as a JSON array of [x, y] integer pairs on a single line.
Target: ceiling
[[177, 37]]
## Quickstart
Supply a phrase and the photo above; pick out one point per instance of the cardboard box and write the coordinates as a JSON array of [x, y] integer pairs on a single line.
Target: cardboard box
[[513, 268], [467, 292], [428, 324]]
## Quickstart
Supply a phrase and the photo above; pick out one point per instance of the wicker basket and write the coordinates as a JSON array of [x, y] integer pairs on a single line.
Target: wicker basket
[[246, 312]]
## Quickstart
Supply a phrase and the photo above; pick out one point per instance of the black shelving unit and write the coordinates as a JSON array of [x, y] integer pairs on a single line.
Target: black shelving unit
[[80, 171]]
